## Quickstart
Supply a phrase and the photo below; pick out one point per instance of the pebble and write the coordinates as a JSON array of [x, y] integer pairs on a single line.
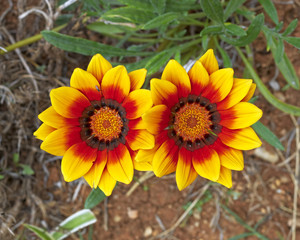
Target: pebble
[[148, 232], [132, 213], [266, 155], [117, 218]]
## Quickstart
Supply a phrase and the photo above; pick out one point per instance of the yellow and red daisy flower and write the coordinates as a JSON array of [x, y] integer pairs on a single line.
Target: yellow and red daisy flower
[[201, 121], [96, 124]]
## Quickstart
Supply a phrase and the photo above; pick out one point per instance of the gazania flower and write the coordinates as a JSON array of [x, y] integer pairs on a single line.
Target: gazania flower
[[201, 121], [96, 125]]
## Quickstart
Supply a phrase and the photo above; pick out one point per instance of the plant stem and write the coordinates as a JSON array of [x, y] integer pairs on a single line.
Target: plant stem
[[28, 41]]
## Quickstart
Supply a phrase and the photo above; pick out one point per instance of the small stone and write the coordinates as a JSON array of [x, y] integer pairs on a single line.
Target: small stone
[[132, 213], [148, 232], [117, 218], [266, 155]]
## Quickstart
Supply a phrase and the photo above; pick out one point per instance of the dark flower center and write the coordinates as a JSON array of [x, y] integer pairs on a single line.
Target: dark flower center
[[104, 124], [194, 122]]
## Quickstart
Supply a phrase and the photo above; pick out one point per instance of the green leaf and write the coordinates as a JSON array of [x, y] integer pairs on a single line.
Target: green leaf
[[290, 28], [225, 57], [181, 6], [267, 135], [129, 14], [241, 236], [295, 41], [177, 56], [270, 9], [16, 158], [285, 67], [101, 27], [138, 4], [213, 10], [157, 61], [159, 6], [161, 20], [279, 51], [1, 176], [231, 7], [27, 170], [235, 30], [86, 47], [94, 198], [39, 232], [265, 91], [252, 33], [75, 222], [213, 29]]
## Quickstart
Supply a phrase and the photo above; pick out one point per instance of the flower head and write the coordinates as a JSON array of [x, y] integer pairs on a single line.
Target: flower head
[[96, 124], [201, 121]]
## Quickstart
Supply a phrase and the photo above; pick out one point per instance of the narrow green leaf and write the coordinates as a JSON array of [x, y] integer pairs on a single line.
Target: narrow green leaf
[[181, 6], [75, 222], [101, 27], [205, 40], [270, 9], [129, 14], [39, 232], [285, 67], [278, 27], [161, 20], [86, 47], [231, 7], [235, 30], [295, 41], [94, 198], [177, 56], [290, 28], [265, 91], [225, 57], [138, 4], [213, 29], [267, 135], [279, 51], [213, 10], [1, 176], [159, 6], [241, 236], [16, 158], [27, 170], [252, 33], [157, 61]]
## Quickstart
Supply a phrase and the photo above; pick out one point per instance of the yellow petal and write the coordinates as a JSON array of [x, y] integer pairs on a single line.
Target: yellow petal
[[225, 177], [165, 159], [77, 161], [157, 118], [230, 158], [94, 174], [163, 92], [250, 93], [136, 124], [242, 139], [199, 78], [207, 163], [185, 174], [241, 115], [86, 83], [43, 131], [239, 90], [55, 120], [209, 61], [140, 139], [60, 140], [177, 75], [116, 84], [119, 164], [137, 78], [142, 166], [68, 102], [98, 66], [220, 84], [137, 103], [107, 183]]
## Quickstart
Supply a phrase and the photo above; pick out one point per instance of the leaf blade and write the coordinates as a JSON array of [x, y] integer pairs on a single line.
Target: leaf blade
[[94, 198]]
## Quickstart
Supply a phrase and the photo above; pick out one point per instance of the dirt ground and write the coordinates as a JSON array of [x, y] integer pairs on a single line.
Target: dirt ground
[[262, 195]]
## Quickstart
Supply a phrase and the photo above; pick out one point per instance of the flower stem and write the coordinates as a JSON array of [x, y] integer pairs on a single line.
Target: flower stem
[[28, 41]]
